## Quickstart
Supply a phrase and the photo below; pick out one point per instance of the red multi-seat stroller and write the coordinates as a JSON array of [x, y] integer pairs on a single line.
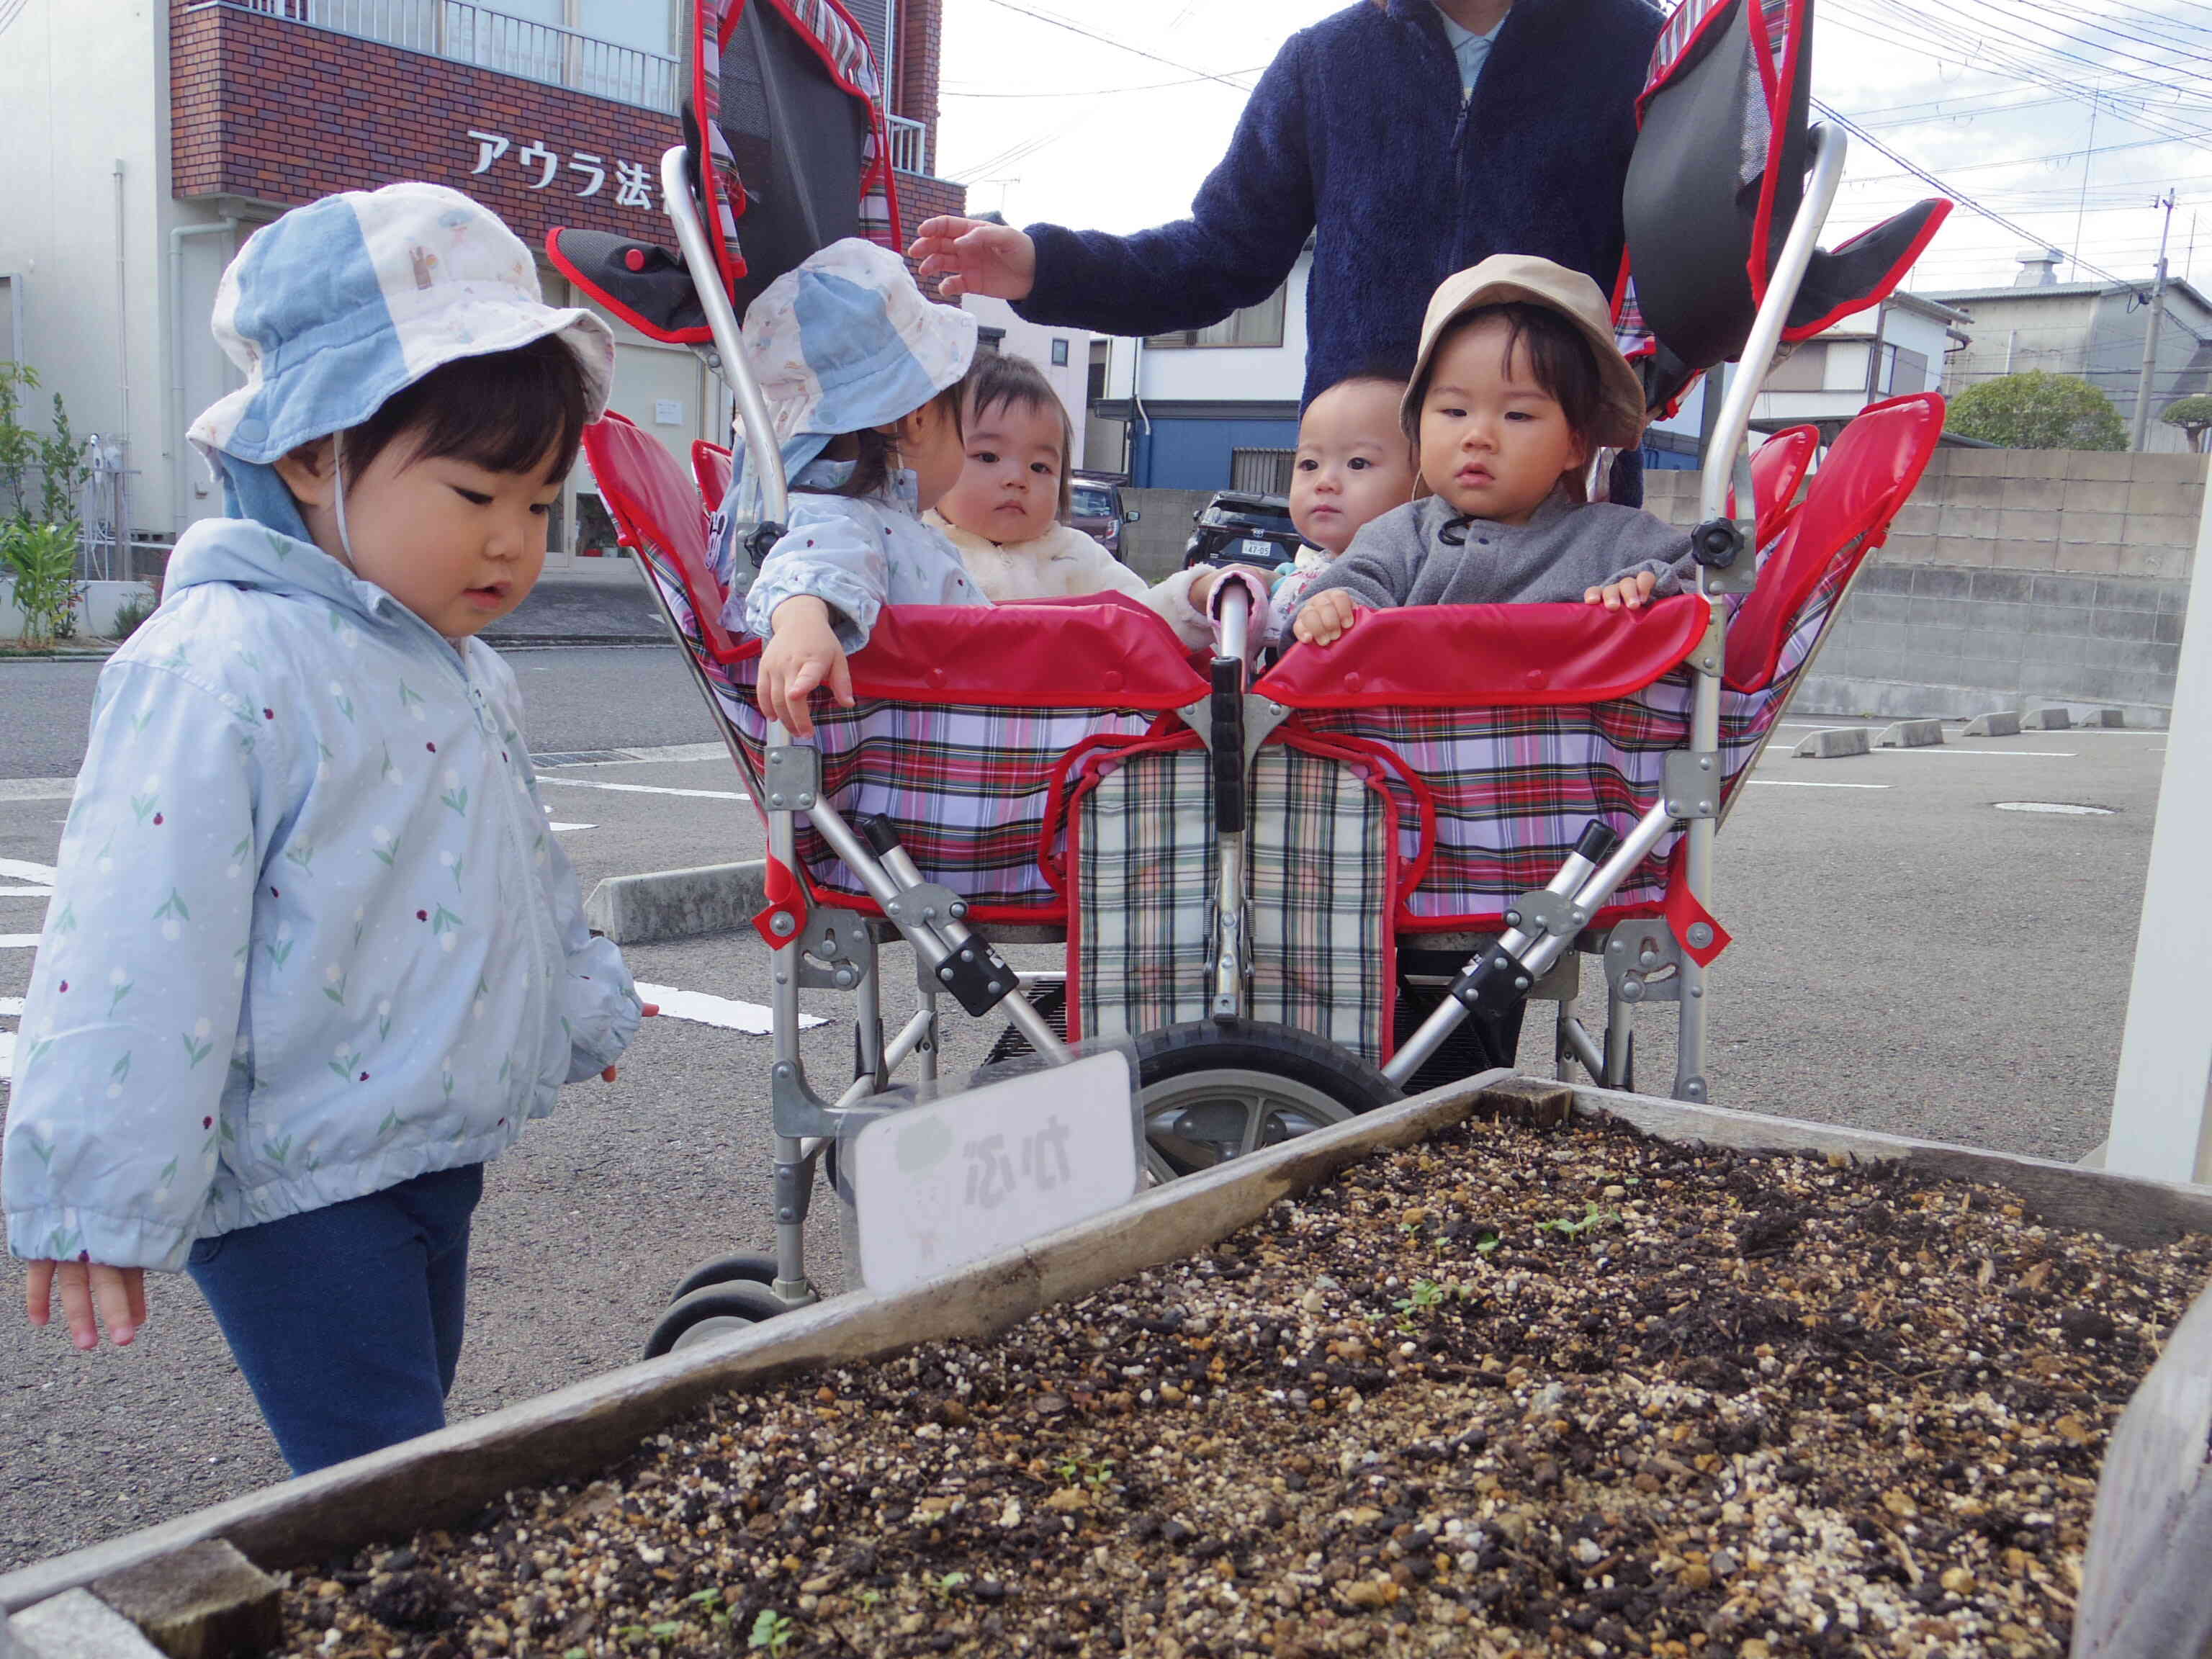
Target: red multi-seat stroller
[[1293, 889]]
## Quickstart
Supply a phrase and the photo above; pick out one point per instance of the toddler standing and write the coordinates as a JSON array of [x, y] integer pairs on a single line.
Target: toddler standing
[[314, 956]]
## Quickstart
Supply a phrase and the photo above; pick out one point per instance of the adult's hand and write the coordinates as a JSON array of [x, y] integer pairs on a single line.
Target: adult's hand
[[976, 257]]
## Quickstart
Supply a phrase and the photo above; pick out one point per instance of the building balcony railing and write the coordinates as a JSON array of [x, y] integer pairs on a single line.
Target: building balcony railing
[[910, 144], [465, 34]]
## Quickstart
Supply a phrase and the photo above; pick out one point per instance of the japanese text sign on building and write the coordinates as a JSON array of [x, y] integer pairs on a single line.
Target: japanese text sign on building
[[964, 1176], [577, 173]]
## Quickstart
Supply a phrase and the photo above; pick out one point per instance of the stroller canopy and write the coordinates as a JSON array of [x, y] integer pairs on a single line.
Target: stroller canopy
[[1706, 221], [785, 149]]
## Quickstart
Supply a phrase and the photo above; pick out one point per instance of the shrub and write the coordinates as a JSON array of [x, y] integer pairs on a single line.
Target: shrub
[[2038, 410], [42, 559], [135, 611]]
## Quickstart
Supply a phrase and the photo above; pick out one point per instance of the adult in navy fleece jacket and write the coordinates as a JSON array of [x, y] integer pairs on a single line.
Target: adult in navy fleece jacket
[[1357, 135]]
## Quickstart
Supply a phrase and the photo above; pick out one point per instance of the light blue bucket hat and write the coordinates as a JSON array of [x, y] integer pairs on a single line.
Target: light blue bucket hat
[[338, 305], [842, 341]]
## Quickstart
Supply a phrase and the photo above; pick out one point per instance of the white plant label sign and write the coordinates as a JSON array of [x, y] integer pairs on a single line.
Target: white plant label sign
[[964, 1176]]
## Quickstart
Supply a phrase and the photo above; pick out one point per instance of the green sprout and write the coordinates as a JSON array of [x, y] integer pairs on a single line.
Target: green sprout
[[1425, 1294], [942, 1588], [1571, 1228], [771, 1631], [1096, 1475]]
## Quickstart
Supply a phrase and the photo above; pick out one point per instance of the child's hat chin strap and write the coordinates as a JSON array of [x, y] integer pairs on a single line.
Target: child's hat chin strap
[[337, 473]]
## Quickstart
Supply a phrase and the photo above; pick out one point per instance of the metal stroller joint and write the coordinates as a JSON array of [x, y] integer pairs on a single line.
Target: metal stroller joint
[[793, 778]]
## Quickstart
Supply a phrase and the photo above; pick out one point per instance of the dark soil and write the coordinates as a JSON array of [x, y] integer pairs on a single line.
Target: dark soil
[[1506, 1392]]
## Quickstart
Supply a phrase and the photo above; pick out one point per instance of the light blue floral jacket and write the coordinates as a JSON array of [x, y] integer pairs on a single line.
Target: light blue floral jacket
[[311, 937], [856, 554]]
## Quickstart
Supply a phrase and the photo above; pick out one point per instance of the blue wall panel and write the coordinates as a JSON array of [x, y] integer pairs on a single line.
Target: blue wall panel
[[1189, 454]]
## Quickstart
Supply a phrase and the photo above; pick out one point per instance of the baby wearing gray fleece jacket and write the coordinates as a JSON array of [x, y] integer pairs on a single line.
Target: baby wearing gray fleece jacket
[[1426, 553]]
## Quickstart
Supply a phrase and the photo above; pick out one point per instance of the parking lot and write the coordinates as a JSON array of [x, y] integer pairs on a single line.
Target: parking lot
[[1908, 958]]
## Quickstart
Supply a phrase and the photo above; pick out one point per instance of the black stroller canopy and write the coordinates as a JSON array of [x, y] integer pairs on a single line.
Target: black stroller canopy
[[1706, 220], [786, 153]]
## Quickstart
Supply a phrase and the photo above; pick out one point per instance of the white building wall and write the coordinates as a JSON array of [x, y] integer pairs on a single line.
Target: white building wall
[[84, 86], [1224, 373], [1034, 341]]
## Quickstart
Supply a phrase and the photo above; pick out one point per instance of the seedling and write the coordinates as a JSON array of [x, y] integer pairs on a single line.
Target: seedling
[[1571, 1228], [1425, 1295], [942, 1588], [1095, 1475], [772, 1631], [1489, 1242], [870, 1598]]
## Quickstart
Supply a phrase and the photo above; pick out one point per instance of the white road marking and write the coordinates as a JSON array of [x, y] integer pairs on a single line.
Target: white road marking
[[18, 941], [11, 1005], [1952, 749], [7, 1056], [751, 1018], [26, 892], [646, 788], [37, 788], [660, 754], [45, 874], [1811, 783], [2067, 808], [558, 828]]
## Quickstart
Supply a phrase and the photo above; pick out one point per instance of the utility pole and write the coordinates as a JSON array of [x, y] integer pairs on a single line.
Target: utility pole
[[2150, 332]]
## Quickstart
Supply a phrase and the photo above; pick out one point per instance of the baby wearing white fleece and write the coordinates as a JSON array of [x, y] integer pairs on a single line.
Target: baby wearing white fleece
[[1005, 513]]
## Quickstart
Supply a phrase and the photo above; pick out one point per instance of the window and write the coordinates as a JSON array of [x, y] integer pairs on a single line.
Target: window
[[1262, 471], [1254, 325], [1090, 500], [1097, 391], [990, 339], [1804, 369], [1060, 353], [1908, 371]]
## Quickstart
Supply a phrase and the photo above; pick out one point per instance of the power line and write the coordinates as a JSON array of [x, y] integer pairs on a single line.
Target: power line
[[1122, 45]]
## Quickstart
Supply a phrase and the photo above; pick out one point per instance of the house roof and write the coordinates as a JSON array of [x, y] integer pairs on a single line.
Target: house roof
[[2067, 291]]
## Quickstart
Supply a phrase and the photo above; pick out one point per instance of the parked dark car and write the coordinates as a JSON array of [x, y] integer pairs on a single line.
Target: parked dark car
[[1095, 507], [1237, 528]]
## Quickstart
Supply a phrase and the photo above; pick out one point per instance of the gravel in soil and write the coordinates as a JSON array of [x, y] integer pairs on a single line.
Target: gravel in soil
[[1503, 1393]]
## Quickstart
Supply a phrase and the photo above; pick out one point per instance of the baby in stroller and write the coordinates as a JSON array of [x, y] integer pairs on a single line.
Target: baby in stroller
[[1007, 514], [1353, 464], [1517, 383]]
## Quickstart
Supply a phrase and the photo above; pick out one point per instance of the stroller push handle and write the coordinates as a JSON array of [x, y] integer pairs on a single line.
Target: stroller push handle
[[762, 453]]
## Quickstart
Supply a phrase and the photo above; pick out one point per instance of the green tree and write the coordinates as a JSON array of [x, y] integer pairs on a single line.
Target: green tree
[[2192, 415], [2038, 410]]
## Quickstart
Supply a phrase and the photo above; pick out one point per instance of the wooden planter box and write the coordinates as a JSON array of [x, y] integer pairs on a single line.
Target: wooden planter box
[[2154, 1527]]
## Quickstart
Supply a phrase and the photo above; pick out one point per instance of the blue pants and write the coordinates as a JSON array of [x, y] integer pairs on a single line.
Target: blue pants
[[347, 1320]]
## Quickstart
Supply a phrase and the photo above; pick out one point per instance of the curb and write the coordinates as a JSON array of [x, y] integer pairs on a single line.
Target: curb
[[1836, 742], [2000, 723], [1911, 734], [667, 904], [2047, 720]]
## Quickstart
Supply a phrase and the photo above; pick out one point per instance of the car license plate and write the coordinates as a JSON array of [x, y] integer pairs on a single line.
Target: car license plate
[[1260, 550]]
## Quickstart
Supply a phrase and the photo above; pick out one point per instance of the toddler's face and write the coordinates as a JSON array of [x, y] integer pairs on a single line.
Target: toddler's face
[[1354, 463], [459, 546], [1009, 485], [1493, 443]]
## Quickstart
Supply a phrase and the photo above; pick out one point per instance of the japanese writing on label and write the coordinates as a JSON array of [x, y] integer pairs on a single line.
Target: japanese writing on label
[[579, 173], [958, 1177]]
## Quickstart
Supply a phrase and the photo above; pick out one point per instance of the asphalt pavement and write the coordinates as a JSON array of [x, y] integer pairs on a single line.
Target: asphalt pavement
[[1908, 958]]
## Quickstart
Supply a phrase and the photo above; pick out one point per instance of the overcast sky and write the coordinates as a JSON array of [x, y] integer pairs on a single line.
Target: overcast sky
[[1043, 123]]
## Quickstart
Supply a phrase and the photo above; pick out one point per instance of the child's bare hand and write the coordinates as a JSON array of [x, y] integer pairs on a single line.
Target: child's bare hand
[[647, 1009], [802, 654], [117, 1295], [1629, 593], [1324, 616]]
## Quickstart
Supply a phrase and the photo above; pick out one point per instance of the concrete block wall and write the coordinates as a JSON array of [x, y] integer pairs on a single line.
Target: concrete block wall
[[2012, 578]]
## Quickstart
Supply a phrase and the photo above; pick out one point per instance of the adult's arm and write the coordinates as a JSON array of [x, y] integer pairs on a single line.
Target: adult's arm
[[1247, 225]]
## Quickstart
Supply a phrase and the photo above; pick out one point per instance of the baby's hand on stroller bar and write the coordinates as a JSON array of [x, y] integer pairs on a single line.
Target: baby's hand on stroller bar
[[976, 257], [1628, 594], [1324, 616], [802, 653]]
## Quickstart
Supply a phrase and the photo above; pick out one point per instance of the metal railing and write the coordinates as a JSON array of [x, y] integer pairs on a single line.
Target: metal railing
[[910, 144], [478, 35]]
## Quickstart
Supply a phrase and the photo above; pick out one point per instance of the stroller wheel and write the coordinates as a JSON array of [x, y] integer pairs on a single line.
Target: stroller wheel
[[1213, 1091], [756, 1267], [717, 1311]]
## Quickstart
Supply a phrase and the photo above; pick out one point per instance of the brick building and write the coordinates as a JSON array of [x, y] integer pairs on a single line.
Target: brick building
[[146, 139]]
